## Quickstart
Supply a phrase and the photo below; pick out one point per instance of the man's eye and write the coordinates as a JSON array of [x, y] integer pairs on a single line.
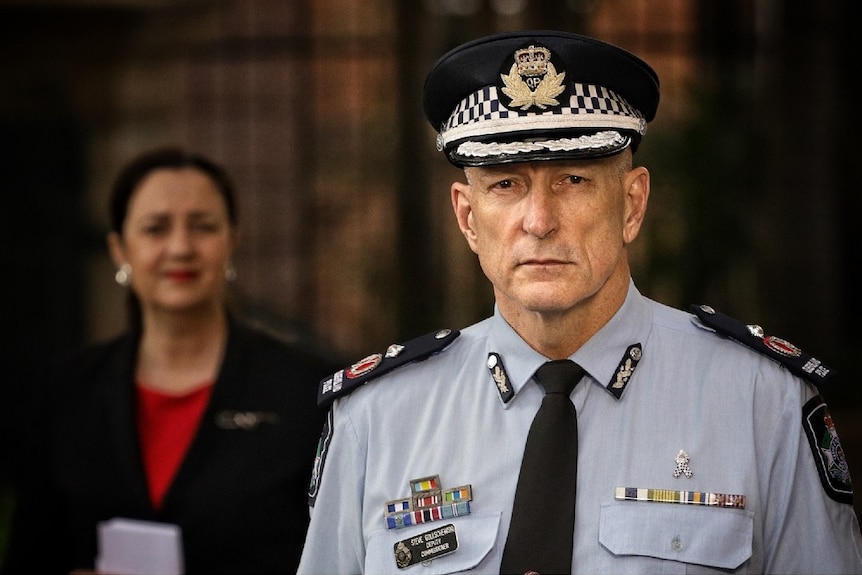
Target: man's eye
[[574, 179], [504, 184]]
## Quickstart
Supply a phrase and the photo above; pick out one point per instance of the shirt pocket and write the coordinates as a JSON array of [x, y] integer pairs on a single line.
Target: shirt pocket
[[476, 535], [717, 538]]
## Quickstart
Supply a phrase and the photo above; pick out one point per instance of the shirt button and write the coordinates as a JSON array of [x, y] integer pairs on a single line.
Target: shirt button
[[676, 544]]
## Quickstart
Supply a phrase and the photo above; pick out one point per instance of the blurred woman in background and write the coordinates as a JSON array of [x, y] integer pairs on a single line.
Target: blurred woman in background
[[192, 417]]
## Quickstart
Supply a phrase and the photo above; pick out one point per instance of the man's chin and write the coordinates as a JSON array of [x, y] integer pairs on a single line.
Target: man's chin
[[546, 302]]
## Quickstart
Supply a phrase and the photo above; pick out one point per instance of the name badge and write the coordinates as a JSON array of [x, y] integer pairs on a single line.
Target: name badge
[[426, 546]]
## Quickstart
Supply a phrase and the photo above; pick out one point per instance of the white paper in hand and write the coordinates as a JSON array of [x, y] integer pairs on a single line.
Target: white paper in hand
[[136, 547]]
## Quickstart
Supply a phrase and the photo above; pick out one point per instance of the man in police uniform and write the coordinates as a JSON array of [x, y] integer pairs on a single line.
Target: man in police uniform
[[704, 445]]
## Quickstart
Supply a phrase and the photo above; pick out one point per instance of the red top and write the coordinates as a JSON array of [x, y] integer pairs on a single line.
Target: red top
[[166, 424]]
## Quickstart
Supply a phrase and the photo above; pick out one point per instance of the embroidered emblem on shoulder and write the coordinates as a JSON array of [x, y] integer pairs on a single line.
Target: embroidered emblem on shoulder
[[346, 380], [826, 448], [782, 351]]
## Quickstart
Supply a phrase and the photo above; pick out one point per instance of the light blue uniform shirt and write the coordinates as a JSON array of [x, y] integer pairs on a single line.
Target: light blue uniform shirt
[[736, 413]]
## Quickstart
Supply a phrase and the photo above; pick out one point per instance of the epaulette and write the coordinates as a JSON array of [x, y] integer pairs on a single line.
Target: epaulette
[[346, 380], [781, 350]]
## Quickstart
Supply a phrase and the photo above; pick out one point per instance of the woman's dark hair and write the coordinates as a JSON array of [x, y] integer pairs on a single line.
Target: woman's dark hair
[[131, 176], [165, 158]]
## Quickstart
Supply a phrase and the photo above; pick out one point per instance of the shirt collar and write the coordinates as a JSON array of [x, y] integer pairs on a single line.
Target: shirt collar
[[519, 360], [608, 349], [601, 357]]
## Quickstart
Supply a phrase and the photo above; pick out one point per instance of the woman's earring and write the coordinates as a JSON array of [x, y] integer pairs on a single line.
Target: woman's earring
[[229, 272], [124, 275]]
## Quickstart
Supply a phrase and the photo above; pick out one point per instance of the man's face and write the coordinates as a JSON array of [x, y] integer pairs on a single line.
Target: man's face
[[551, 234]]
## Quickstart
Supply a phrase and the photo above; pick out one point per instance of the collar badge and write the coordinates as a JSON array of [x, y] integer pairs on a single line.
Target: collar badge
[[500, 377], [625, 369]]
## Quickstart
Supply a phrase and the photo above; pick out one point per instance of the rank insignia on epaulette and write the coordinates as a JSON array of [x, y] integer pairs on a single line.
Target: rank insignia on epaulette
[[363, 366], [394, 350], [428, 502], [753, 336], [346, 380]]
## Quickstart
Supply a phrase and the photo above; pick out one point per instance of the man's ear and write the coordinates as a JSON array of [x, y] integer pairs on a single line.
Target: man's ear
[[461, 197], [636, 184]]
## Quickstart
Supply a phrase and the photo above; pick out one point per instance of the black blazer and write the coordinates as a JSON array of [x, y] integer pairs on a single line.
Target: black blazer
[[240, 494]]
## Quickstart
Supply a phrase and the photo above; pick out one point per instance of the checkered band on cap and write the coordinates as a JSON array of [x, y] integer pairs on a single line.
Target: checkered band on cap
[[481, 115]]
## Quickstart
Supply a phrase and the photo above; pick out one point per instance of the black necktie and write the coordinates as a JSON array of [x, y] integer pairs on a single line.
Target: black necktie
[[543, 516]]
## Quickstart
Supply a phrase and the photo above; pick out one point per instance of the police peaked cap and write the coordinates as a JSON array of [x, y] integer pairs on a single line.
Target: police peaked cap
[[538, 95]]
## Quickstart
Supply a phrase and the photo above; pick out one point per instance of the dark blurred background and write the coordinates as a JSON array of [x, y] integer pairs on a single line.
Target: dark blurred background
[[349, 243]]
